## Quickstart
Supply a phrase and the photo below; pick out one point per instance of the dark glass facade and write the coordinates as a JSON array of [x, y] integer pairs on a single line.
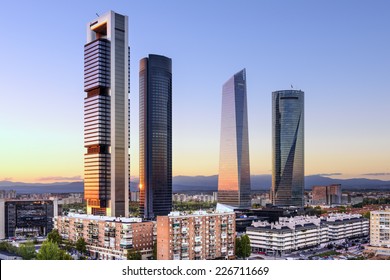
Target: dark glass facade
[[234, 171], [288, 148], [28, 218], [155, 88]]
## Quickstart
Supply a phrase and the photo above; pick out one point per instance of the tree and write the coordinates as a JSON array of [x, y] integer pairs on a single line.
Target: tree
[[238, 247], [27, 250], [81, 245], [367, 215], [155, 251], [54, 237], [64, 255], [245, 246], [51, 251], [5, 246], [132, 254]]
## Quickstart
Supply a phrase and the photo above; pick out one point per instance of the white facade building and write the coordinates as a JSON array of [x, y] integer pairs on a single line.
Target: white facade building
[[343, 226], [290, 234]]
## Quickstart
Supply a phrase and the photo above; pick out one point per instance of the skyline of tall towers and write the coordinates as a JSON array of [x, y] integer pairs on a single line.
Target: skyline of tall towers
[[287, 148], [106, 116], [155, 132], [234, 187]]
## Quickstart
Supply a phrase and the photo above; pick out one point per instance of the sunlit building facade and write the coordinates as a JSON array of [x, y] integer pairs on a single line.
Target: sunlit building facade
[[155, 104], [234, 185], [380, 232], [106, 116], [108, 238], [197, 236], [380, 228], [326, 195], [288, 148]]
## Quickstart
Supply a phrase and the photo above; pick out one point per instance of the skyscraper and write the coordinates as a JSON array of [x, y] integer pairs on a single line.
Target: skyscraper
[[155, 88], [234, 185], [287, 148], [106, 116]]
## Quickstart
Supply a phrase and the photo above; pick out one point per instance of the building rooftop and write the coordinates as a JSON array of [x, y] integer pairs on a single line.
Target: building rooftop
[[104, 218]]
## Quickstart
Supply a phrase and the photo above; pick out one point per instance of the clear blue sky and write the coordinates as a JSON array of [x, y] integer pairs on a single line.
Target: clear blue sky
[[337, 52]]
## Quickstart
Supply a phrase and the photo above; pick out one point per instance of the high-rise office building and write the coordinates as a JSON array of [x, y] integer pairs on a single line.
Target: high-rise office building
[[106, 116], [155, 103], [288, 148], [234, 171]]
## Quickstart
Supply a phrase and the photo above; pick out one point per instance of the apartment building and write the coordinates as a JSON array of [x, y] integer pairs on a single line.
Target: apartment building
[[288, 234], [343, 226], [300, 232], [108, 237], [380, 228], [197, 236], [380, 232]]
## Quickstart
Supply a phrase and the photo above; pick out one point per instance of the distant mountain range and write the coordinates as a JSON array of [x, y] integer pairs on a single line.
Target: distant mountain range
[[264, 182], [198, 184]]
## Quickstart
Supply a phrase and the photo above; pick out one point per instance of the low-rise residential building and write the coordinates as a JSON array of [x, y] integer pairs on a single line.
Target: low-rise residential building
[[196, 236], [343, 226], [289, 234], [108, 237], [300, 232]]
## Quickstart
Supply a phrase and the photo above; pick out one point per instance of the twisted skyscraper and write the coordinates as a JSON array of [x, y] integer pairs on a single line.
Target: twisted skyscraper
[[287, 148]]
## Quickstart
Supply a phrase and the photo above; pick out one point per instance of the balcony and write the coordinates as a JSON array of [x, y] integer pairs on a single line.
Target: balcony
[[176, 225], [198, 238], [128, 235], [126, 244], [197, 249]]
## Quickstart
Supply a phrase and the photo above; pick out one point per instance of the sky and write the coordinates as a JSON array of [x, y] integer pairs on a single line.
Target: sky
[[337, 52]]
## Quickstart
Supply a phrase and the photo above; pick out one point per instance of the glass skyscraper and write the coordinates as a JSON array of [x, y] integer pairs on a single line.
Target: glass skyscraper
[[234, 185], [155, 104], [106, 116], [288, 148]]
